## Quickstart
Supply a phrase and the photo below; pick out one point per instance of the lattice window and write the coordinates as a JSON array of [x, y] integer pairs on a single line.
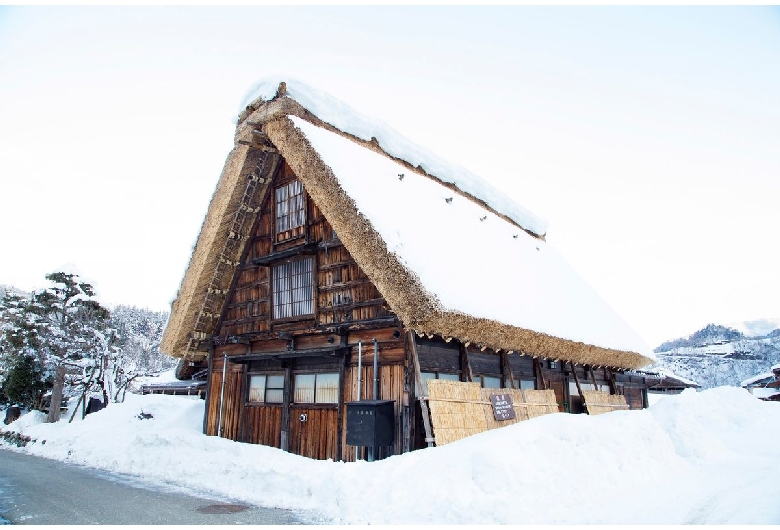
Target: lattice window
[[293, 289], [290, 206]]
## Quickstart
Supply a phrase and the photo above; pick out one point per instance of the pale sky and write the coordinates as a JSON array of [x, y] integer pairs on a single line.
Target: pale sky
[[649, 138]]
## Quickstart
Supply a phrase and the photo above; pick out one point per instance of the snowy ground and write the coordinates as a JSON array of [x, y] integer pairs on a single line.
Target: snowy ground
[[709, 457]]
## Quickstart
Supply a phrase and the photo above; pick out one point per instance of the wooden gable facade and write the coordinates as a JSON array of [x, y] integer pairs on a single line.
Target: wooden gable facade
[[287, 339]]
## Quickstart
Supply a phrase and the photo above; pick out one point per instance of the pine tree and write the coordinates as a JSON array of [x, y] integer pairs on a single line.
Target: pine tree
[[76, 340], [22, 375], [24, 384]]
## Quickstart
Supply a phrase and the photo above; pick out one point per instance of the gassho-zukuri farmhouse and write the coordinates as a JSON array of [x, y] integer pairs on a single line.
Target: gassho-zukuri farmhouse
[[334, 250]]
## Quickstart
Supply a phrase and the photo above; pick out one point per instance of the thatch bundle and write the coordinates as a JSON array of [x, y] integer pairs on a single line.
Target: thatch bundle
[[456, 410], [598, 402], [540, 402], [461, 409]]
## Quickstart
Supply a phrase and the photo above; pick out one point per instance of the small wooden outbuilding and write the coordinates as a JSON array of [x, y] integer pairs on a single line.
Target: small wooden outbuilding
[[765, 386], [331, 241]]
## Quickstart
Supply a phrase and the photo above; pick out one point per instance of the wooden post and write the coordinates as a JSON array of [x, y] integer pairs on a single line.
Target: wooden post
[[284, 435], [576, 379], [340, 414], [507, 369], [592, 377], [208, 387], [612, 382], [406, 415], [423, 402], [464, 361], [539, 375]]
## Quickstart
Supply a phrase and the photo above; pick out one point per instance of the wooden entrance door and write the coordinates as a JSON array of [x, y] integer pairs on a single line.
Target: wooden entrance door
[[560, 394], [314, 431]]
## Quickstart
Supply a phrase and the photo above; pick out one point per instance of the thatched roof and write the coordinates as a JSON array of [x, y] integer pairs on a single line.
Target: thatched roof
[[448, 260]]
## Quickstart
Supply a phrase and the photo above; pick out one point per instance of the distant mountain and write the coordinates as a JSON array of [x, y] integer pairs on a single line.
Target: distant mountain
[[757, 328], [719, 355]]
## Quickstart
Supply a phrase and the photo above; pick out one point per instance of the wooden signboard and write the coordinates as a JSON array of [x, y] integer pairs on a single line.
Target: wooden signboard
[[502, 407]]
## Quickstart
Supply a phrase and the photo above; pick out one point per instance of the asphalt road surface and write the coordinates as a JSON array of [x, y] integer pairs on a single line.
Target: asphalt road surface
[[38, 491]]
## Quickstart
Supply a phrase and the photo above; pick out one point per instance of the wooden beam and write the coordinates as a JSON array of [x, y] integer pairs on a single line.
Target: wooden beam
[[264, 261], [423, 402]]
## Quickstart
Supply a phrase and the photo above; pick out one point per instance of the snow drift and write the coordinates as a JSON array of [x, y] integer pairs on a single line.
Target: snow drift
[[696, 458]]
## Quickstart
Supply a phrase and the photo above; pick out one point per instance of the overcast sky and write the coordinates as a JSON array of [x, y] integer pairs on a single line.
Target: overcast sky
[[648, 137]]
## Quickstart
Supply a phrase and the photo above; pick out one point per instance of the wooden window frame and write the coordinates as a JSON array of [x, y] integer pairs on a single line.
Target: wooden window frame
[[288, 211], [315, 404], [293, 316], [249, 401]]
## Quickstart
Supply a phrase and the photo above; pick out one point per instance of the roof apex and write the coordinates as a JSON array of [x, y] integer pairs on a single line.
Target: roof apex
[[273, 98]]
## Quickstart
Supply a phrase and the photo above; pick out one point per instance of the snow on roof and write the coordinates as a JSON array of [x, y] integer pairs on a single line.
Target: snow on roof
[[668, 373], [472, 261], [758, 378], [343, 117]]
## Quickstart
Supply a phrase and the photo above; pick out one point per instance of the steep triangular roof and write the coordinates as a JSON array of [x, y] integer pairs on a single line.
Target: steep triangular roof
[[451, 255]]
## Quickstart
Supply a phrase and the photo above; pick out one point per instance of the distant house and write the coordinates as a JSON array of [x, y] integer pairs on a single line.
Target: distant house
[[765, 386], [667, 383], [329, 235]]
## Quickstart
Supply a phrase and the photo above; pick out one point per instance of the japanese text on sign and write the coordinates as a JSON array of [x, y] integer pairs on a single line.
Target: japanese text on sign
[[502, 407]]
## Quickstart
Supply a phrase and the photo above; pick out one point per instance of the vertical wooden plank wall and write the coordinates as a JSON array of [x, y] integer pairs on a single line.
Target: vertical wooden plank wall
[[232, 405]]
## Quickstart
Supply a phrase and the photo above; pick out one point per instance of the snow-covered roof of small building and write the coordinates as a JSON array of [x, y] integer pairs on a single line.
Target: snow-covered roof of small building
[[447, 255], [668, 374], [760, 379]]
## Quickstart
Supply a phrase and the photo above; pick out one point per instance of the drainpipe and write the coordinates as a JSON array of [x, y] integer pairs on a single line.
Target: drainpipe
[[360, 380], [372, 449], [222, 394], [376, 371]]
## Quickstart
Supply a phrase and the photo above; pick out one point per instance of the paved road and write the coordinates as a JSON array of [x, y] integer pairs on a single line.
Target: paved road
[[38, 491]]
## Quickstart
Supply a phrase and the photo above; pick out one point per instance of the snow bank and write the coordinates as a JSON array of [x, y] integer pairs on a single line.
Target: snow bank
[[696, 458]]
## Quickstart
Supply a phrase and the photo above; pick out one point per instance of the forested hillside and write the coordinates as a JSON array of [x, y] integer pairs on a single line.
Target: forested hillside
[[719, 355]]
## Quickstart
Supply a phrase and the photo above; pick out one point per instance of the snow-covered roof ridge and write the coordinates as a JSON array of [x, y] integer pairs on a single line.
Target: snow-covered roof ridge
[[347, 120]]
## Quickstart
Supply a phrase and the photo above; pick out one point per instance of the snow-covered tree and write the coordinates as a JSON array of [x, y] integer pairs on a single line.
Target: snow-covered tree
[[75, 338], [22, 374], [139, 332], [63, 335]]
